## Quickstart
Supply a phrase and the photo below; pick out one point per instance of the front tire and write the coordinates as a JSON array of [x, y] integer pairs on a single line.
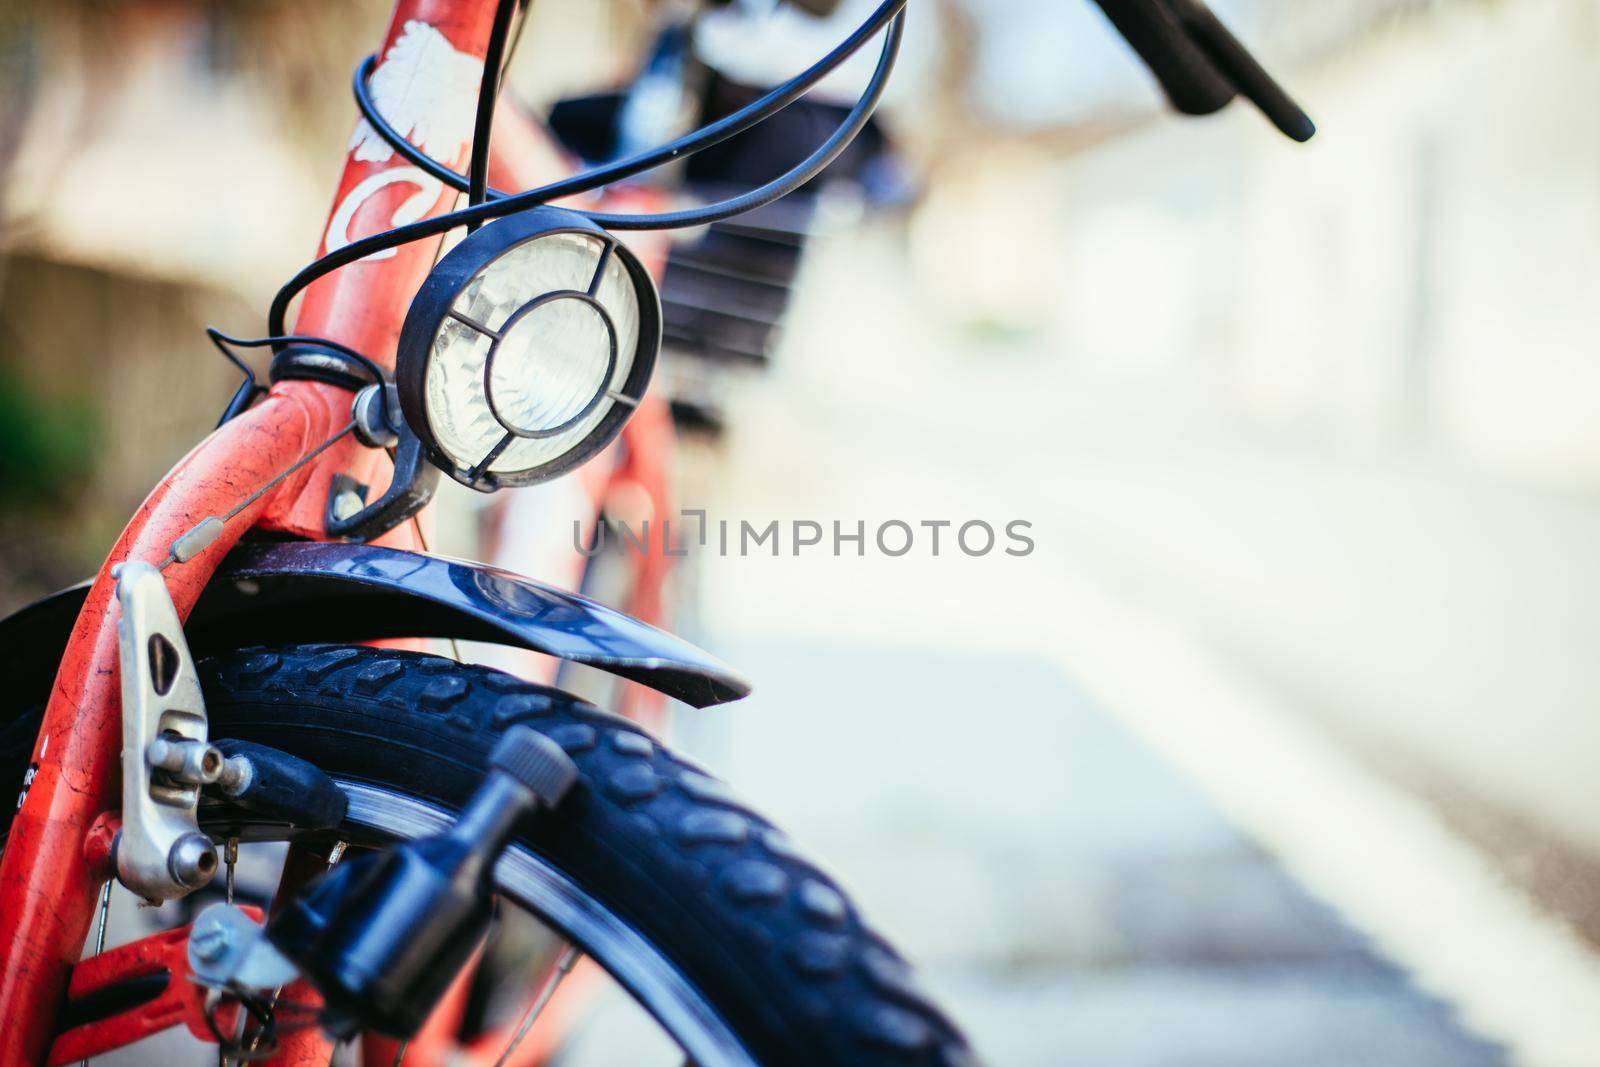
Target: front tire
[[771, 944]]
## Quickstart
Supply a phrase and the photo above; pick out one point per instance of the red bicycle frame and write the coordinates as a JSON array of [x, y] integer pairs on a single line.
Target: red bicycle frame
[[55, 858]]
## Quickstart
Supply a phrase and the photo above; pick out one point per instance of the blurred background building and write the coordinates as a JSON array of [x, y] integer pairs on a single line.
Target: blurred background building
[[1281, 746]]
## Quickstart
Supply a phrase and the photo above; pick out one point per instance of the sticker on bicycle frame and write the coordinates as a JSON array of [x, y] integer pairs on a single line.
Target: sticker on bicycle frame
[[412, 209], [32, 773], [426, 88]]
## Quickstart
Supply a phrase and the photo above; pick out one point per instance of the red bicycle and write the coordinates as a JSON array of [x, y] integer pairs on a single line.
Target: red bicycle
[[457, 839]]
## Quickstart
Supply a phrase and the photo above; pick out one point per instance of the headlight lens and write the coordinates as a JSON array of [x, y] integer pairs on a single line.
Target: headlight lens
[[527, 348]]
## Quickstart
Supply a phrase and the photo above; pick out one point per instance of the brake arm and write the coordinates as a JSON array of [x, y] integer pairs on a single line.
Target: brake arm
[[166, 756]]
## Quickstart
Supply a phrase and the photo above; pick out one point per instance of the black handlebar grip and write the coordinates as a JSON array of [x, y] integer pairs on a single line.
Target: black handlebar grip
[[1200, 64], [1187, 75], [1242, 68]]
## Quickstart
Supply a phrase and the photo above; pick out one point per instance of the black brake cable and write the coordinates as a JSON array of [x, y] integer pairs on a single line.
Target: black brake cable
[[713, 133], [488, 97], [815, 163], [248, 388], [334, 348], [890, 12]]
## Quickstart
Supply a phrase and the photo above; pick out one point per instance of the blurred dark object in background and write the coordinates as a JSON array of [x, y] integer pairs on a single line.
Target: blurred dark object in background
[[727, 287]]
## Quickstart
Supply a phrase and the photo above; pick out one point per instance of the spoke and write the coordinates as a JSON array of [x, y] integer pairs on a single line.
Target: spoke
[[400, 1053], [335, 854], [569, 957], [104, 907], [213, 1000], [230, 856]]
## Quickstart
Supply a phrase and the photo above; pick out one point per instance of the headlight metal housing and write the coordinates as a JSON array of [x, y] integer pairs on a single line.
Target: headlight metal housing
[[527, 348]]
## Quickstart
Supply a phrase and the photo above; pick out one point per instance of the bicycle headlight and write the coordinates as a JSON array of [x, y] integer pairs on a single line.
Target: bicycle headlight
[[527, 348]]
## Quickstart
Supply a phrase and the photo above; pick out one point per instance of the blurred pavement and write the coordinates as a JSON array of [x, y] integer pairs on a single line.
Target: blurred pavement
[[1072, 897]]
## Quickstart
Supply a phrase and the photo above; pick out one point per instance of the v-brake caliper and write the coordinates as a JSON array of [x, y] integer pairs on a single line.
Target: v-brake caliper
[[167, 756]]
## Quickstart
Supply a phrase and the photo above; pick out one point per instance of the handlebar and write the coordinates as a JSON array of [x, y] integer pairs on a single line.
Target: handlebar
[[1200, 64]]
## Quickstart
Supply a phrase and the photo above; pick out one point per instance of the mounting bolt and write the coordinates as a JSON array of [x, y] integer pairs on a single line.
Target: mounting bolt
[[192, 861], [375, 422], [210, 941], [189, 761]]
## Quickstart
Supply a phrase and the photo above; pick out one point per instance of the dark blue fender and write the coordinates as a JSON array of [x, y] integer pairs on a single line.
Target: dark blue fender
[[276, 594]]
